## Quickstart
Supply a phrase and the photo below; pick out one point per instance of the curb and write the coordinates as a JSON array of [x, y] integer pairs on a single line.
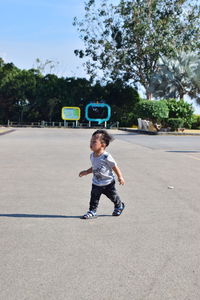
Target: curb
[[6, 131], [159, 133], [141, 131]]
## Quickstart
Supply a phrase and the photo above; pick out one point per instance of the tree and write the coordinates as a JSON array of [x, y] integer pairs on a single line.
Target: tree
[[123, 99], [177, 77], [46, 67], [120, 94], [29, 96], [127, 40], [15, 87]]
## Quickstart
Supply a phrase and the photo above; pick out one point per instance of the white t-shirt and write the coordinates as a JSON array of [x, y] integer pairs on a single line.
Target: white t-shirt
[[102, 168]]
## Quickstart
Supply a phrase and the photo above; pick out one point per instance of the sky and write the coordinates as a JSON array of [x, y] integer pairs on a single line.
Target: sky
[[31, 29]]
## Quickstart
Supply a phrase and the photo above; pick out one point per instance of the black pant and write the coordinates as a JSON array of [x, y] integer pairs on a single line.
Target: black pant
[[108, 190]]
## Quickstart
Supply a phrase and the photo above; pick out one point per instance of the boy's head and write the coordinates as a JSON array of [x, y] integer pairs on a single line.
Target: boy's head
[[103, 136]]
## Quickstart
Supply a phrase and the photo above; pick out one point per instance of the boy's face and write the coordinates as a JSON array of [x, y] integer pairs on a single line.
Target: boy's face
[[96, 144]]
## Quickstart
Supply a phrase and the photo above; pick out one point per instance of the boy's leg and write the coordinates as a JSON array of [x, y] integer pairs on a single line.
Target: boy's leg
[[95, 196], [111, 192]]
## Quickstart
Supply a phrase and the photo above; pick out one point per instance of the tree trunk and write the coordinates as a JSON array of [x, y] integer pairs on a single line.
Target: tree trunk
[[149, 94], [181, 94]]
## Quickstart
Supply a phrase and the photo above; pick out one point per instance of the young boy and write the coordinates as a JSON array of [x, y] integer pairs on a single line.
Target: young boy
[[103, 181]]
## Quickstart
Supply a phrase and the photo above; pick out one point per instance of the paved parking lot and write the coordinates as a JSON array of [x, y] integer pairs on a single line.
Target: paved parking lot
[[152, 251]]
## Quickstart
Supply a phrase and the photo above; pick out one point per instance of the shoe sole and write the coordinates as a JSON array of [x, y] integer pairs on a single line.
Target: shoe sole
[[83, 218]]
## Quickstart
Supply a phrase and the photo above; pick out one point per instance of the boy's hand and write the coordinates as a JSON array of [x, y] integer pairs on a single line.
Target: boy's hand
[[119, 175], [121, 180], [83, 173]]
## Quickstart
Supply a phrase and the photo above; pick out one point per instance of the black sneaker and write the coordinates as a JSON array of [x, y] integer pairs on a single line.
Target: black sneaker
[[118, 211]]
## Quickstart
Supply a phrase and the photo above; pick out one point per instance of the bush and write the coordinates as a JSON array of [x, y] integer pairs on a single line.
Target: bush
[[125, 115], [156, 111], [175, 123], [196, 122], [181, 110]]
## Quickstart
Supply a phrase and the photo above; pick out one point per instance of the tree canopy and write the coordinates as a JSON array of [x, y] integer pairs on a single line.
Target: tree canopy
[[177, 77], [127, 40], [30, 96]]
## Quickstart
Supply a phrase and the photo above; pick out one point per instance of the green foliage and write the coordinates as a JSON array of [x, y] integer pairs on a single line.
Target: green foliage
[[129, 119], [175, 123], [156, 111], [127, 40], [126, 116], [29, 96], [123, 100], [196, 122], [15, 86], [180, 109], [178, 76]]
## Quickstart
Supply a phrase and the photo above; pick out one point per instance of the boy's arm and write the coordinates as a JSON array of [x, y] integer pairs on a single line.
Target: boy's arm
[[85, 172], [119, 175]]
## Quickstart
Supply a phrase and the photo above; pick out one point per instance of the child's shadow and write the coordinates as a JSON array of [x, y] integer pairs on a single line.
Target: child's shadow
[[44, 216], [38, 216]]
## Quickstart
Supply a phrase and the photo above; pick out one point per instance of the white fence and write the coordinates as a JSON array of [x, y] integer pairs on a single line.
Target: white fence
[[63, 124]]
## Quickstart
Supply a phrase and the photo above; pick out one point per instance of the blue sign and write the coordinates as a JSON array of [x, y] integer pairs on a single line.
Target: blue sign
[[102, 105]]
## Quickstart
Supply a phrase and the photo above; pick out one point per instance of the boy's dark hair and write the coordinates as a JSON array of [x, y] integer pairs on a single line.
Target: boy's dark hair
[[104, 136]]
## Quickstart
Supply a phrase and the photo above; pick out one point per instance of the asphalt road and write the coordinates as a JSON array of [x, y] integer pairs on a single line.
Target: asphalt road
[[150, 252], [163, 142]]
